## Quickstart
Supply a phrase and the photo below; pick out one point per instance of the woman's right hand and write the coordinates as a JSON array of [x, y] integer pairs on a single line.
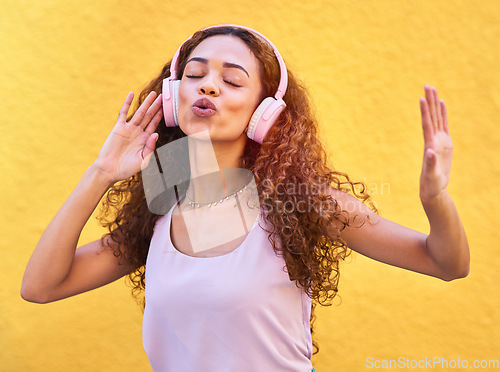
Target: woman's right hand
[[130, 144]]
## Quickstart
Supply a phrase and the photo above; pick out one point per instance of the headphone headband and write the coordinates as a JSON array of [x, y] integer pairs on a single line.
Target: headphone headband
[[283, 71]]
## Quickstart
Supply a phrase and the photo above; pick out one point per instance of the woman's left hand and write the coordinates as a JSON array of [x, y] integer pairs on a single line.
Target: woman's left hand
[[438, 146]]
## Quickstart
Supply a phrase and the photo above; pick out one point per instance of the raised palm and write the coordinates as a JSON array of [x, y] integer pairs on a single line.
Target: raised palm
[[130, 144], [438, 145]]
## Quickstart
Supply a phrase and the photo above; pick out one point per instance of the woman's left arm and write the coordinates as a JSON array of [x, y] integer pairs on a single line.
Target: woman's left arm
[[447, 243], [444, 253]]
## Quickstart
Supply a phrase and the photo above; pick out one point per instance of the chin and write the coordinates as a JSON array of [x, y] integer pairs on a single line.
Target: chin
[[193, 128]]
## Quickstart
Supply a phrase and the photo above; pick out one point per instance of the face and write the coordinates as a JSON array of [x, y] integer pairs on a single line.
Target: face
[[220, 89]]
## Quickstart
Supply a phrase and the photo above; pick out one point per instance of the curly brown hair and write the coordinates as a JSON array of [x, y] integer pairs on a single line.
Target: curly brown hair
[[291, 156]]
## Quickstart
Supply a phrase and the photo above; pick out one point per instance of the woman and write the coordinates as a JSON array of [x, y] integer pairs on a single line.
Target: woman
[[240, 251]]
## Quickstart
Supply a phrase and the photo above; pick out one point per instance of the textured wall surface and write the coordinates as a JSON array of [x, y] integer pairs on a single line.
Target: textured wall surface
[[67, 66]]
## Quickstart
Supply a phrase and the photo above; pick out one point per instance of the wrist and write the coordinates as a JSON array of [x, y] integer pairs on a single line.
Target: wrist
[[438, 208], [434, 200], [100, 176]]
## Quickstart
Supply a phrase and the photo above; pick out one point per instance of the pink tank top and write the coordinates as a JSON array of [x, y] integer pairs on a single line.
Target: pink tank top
[[235, 312]]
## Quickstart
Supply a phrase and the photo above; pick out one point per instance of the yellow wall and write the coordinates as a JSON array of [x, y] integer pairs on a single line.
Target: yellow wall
[[67, 66]]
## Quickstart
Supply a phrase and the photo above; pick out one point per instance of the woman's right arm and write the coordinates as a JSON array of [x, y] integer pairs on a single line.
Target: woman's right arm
[[57, 269]]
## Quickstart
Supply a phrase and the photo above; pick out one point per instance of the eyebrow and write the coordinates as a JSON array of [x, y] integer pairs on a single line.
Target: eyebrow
[[225, 64]]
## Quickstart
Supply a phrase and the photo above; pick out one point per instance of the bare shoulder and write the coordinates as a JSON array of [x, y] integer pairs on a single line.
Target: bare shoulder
[[354, 212], [349, 203]]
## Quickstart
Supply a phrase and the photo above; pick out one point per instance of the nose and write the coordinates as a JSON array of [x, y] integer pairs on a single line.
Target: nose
[[208, 87]]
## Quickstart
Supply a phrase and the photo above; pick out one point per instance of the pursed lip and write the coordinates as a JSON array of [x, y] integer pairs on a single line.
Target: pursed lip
[[204, 103]]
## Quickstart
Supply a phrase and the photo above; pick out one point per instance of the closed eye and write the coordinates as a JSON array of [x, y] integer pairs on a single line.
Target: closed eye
[[225, 81], [233, 84]]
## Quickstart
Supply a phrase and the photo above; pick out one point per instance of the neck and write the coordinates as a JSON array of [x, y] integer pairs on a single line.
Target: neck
[[215, 167]]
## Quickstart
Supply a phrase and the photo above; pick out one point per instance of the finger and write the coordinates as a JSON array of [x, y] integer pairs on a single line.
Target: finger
[[153, 124], [122, 115], [143, 108], [438, 110], [430, 103], [445, 117], [430, 159], [427, 126], [148, 149], [151, 113]]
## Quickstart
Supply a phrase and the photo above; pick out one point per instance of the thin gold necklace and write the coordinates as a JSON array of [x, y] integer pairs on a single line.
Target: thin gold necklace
[[214, 203]]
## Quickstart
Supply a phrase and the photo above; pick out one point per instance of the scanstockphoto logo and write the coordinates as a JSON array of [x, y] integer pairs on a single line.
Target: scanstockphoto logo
[[191, 161], [435, 362]]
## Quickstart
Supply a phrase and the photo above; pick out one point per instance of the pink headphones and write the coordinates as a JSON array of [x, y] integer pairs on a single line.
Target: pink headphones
[[264, 116]]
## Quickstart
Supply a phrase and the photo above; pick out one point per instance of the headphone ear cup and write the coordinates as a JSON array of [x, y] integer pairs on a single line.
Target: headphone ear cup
[[170, 94], [257, 115], [175, 99], [264, 117]]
